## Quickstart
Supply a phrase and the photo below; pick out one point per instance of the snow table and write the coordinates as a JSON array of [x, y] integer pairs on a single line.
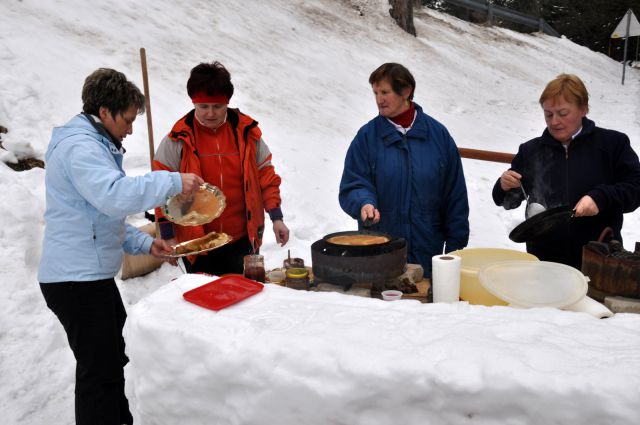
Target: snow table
[[291, 357]]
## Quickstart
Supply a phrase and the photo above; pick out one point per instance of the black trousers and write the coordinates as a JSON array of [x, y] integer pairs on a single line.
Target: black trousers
[[226, 259], [93, 316]]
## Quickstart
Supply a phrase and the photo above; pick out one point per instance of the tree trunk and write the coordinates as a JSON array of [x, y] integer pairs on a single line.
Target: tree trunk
[[402, 12]]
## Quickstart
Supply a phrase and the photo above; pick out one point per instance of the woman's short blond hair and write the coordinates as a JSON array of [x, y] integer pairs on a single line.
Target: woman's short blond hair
[[568, 86]]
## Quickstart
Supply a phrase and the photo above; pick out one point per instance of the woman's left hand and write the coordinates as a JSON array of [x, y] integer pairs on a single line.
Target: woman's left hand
[[586, 207], [281, 231]]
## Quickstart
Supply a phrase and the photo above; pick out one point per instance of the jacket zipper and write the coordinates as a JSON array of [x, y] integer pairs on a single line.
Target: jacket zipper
[[409, 187], [95, 244]]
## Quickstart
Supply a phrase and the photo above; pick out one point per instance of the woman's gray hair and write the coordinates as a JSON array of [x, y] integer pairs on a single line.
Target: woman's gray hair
[[111, 89]]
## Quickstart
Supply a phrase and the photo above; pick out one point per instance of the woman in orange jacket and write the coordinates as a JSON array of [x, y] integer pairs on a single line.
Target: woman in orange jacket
[[224, 147]]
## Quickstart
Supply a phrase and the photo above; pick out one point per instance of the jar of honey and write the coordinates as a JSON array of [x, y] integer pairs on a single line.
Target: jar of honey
[[297, 278]]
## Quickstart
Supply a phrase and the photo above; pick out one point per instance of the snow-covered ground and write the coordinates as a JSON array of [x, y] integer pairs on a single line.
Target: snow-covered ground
[[301, 69]]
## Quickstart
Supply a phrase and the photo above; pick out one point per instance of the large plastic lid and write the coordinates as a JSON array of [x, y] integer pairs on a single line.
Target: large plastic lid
[[534, 283]]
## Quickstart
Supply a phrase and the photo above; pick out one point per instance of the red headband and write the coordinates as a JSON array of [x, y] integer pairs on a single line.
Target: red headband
[[202, 97]]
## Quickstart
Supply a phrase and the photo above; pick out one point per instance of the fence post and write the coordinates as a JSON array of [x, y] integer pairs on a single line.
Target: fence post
[[490, 14], [626, 41]]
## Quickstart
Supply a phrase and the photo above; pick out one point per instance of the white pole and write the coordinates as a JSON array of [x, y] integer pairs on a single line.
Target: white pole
[[626, 41]]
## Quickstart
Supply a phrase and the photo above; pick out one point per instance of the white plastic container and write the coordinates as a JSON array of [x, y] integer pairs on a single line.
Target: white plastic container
[[391, 295]]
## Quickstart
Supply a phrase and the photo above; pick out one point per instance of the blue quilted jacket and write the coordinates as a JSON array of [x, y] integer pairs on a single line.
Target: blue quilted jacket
[[415, 180]]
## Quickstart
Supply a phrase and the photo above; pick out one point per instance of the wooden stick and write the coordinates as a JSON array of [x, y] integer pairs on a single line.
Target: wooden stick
[[147, 105], [147, 101], [486, 155]]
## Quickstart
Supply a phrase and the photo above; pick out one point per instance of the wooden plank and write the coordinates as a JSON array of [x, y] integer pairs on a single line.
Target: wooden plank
[[421, 295], [486, 155]]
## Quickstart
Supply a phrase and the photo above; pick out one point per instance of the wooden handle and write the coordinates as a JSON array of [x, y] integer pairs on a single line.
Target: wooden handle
[[486, 155], [147, 102], [147, 105]]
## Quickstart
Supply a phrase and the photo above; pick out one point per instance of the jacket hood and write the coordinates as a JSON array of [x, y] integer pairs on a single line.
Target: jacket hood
[[78, 125]]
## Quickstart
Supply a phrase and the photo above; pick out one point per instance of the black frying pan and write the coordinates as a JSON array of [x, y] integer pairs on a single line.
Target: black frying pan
[[541, 224]]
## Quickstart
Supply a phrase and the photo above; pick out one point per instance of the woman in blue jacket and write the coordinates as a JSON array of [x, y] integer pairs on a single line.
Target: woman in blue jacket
[[573, 163], [88, 198], [403, 173]]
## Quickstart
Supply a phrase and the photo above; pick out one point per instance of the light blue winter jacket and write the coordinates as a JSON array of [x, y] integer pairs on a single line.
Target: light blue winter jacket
[[88, 199]]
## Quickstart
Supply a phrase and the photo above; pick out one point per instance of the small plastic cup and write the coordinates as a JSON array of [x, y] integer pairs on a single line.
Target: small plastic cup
[[391, 295]]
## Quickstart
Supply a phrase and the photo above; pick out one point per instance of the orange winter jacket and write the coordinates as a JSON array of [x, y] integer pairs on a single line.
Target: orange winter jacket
[[260, 183]]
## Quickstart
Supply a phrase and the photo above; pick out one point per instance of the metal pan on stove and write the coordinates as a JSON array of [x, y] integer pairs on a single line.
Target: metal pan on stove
[[385, 245], [541, 224], [357, 238]]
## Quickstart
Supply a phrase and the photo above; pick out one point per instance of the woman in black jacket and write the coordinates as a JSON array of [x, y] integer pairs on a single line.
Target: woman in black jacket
[[574, 163]]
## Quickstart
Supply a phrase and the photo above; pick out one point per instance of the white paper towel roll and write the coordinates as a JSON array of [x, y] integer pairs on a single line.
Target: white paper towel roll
[[445, 278]]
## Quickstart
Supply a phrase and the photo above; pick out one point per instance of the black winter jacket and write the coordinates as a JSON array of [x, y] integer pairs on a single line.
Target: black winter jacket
[[599, 163]]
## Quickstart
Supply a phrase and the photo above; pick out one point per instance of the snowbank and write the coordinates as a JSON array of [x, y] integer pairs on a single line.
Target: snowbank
[[292, 357]]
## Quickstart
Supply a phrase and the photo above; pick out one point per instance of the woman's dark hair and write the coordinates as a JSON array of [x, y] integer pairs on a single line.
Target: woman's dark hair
[[398, 76], [210, 78], [111, 89]]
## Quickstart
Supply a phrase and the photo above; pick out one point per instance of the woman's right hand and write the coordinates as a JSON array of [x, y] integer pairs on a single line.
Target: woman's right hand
[[510, 180], [161, 249], [190, 182], [368, 211]]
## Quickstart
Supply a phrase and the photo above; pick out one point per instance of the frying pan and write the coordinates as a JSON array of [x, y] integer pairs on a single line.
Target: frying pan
[[328, 237], [335, 250], [541, 224]]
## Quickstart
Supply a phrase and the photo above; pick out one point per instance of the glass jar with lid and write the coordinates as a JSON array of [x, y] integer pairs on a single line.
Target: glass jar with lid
[[297, 278], [254, 267]]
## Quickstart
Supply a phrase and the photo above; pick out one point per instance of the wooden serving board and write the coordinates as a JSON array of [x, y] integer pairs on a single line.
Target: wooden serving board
[[421, 295]]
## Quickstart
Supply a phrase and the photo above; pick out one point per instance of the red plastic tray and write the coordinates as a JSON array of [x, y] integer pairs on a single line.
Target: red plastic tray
[[223, 292]]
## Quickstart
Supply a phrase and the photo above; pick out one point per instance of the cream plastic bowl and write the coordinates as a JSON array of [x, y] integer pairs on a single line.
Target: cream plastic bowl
[[472, 260]]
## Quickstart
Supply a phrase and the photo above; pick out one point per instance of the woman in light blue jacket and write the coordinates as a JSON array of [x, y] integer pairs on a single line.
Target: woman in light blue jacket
[[88, 198]]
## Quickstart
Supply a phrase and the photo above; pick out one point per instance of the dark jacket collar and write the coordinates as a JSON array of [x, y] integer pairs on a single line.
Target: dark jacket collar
[[588, 127]]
